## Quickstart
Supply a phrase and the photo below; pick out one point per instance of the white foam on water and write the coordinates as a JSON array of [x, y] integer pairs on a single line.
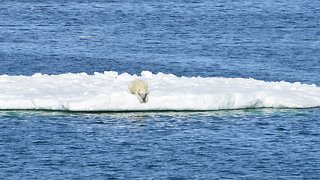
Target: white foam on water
[[108, 91]]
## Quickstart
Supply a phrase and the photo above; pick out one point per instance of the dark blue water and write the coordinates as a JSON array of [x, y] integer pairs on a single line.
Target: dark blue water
[[248, 144], [270, 40]]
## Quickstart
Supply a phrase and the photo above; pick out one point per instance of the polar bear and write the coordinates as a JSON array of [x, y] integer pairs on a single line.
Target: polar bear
[[139, 88]]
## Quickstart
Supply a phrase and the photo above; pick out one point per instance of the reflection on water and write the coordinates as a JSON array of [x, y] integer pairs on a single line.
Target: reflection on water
[[213, 143], [141, 115]]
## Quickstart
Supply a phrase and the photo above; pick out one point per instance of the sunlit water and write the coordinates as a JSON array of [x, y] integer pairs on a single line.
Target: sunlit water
[[270, 40]]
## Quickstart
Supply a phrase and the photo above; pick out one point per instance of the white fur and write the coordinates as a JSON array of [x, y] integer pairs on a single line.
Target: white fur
[[140, 89]]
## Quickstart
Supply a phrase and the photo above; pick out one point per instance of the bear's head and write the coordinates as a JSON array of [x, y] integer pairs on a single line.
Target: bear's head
[[142, 95]]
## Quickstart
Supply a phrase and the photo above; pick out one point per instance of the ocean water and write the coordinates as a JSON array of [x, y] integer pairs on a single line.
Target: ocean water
[[271, 40]]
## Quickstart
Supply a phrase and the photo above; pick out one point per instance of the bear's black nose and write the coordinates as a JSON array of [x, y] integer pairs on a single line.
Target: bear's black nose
[[144, 99]]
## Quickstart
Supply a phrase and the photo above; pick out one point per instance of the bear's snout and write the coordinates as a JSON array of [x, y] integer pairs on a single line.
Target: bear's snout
[[144, 98]]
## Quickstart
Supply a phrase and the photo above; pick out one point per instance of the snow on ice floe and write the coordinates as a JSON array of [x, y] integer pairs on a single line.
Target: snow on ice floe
[[108, 91]]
